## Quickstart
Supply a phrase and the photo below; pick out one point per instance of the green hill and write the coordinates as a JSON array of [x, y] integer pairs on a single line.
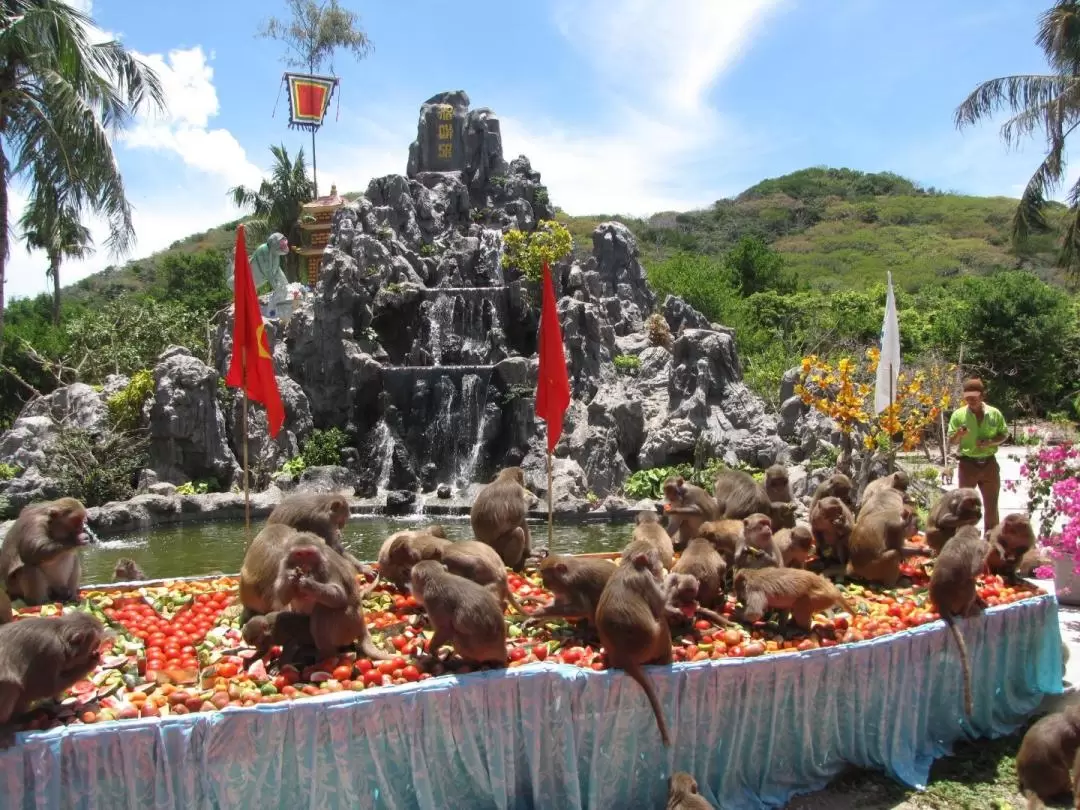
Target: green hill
[[836, 228]]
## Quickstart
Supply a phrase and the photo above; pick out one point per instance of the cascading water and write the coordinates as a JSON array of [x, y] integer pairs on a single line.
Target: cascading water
[[474, 390], [384, 440], [491, 253], [441, 325]]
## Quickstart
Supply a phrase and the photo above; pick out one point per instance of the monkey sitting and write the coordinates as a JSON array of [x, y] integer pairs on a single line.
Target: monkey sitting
[[462, 613], [681, 603], [687, 507], [322, 515], [290, 630], [498, 517], [683, 793], [1045, 756], [758, 548], [39, 559], [127, 570], [960, 507], [41, 657], [576, 584], [1010, 541], [795, 546]]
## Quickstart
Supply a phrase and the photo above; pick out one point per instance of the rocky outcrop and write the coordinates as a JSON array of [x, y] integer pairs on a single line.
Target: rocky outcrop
[[187, 429]]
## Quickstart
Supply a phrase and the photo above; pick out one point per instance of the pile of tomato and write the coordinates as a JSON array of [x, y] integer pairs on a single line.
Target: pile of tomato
[[179, 648]]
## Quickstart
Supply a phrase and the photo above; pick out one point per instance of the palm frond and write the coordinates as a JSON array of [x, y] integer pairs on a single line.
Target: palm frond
[[1059, 35], [1018, 93]]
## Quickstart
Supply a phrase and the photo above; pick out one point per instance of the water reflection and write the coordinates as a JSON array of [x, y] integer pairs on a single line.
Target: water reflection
[[201, 548]]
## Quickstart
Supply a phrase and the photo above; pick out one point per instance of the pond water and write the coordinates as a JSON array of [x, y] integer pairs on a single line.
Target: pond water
[[201, 548]]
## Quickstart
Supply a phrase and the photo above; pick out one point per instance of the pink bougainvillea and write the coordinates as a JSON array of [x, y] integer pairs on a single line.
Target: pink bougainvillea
[[1053, 478]]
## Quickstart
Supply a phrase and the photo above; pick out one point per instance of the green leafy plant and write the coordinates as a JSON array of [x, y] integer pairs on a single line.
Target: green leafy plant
[[293, 467], [323, 447], [126, 406], [649, 483], [527, 252], [96, 468], [427, 250], [627, 364], [193, 488], [9, 471]]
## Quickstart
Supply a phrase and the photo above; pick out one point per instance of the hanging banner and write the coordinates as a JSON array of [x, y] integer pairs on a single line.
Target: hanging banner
[[309, 99]]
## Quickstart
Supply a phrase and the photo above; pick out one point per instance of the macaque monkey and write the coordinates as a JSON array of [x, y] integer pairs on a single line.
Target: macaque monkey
[[777, 484], [127, 570], [878, 542], [953, 592], [41, 657], [498, 517], [39, 559], [836, 485], [795, 546], [290, 630], [324, 515], [702, 561], [899, 480], [648, 528], [725, 535], [758, 548], [1047, 751], [397, 576], [831, 522], [738, 496], [687, 507], [681, 602], [633, 627], [316, 580], [462, 613], [576, 583], [1009, 542], [947, 476], [683, 793], [803, 593], [960, 507], [262, 564]]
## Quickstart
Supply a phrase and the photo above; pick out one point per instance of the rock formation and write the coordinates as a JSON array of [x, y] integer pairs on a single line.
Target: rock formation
[[421, 345]]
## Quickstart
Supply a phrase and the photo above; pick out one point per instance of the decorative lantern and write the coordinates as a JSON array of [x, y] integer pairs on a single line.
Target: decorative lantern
[[309, 99]]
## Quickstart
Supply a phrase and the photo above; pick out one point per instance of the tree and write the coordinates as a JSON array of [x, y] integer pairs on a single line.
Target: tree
[[60, 98], [277, 203], [1049, 102], [52, 225], [195, 281], [756, 267], [316, 31]]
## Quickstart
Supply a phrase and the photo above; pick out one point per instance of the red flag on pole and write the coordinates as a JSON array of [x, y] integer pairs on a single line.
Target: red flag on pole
[[553, 383], [252, 366]]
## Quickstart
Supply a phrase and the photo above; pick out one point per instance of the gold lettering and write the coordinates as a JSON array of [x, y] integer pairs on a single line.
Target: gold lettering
[[446, 113], [446, 132], [446, 150]]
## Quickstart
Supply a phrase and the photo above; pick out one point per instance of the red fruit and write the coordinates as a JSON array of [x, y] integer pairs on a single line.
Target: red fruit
[[342, 673], [411, 673], [518, 653], [700, 624], [373, 678], [754, 649], [364, 665], [540, 651], [227, 670]]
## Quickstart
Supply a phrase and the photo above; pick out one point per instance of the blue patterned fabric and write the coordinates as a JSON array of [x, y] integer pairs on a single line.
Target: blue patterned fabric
[[556, 736]]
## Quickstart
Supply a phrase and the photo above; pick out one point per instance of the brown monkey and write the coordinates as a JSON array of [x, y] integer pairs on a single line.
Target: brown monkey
[[687, 507], [877, 543], [576, 583], [803, 593], [794, 545], [632, 624], [899, 480], [707, 565], [725, 535], [960, 507], [6, 614], [681, 601], [287, 628], [953, 592], [127, 570], [394, 574], [947, 476], [837, 485], [1046, 753], [39, 559], [324, 515], [314, 579], [262, 564], [831, 523], [758, 548], [462, 613], [738, 496], [1009, 541], [648, 528], [683, 793], [777, 484], [498, 517], [41, 657]]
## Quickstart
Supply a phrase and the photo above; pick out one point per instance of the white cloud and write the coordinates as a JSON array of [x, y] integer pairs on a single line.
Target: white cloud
[[659, 60]]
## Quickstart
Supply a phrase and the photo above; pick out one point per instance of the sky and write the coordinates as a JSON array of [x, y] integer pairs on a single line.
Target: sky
[[623, 106]]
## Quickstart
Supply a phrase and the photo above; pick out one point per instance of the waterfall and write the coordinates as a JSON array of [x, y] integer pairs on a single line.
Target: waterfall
[[384, 441], [491, 253], [474, 391], [441, 325]]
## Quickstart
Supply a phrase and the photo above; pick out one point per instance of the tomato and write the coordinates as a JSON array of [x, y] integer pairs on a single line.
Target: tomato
[[518, 654], [227, 670], [410, 673], [364, 664], [373, 678], [343, 672], [540, 651], [385, 667]]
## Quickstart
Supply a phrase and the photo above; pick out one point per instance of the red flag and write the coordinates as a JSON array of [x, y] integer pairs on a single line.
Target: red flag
[[553, 383], [252, 366]]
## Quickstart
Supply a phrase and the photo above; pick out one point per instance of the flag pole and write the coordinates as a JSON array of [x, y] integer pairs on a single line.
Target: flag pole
[[892, 401], [551, 498], [244, 422]]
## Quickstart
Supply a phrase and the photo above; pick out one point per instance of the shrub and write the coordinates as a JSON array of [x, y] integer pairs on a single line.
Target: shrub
[[656, 327], [8, 471], [527, 252], [323, 447], [96, 469], [627, 364], [196, 488], [126, 406]]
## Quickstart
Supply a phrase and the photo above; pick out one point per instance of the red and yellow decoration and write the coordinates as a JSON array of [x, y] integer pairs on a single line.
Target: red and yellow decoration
[[309, 99]]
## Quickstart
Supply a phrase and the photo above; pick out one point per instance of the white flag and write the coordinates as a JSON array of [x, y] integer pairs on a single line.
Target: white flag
[[889, 362]]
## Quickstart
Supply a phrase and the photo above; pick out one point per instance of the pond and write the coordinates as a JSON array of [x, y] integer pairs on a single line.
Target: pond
[[201, 548]]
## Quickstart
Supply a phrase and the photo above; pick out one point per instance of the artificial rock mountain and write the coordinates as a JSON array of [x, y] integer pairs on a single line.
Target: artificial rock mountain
[[422, 347]]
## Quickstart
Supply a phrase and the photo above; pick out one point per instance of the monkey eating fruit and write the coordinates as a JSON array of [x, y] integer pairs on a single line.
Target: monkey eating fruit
[[803, 593], [39, 559], [795, 546], [463, 614], [290, 630], [687, 507]]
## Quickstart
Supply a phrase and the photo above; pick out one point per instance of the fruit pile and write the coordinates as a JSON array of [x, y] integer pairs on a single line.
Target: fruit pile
[[177, 647]]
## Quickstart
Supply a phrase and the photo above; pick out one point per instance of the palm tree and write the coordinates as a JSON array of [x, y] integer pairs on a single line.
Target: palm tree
[[1049, 102], [55, 227], [276, 204], [60, 97]]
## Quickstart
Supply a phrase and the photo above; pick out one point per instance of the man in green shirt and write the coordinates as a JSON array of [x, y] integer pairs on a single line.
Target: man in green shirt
[[979, 429]]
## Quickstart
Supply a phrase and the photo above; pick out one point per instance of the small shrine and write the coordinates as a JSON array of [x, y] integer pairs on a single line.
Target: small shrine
[[316, 218]]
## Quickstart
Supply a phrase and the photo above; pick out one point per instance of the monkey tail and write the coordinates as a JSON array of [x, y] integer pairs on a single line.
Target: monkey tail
[[372, 585], [964, 663], [514, 603], [633, 669], [368, 648]]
